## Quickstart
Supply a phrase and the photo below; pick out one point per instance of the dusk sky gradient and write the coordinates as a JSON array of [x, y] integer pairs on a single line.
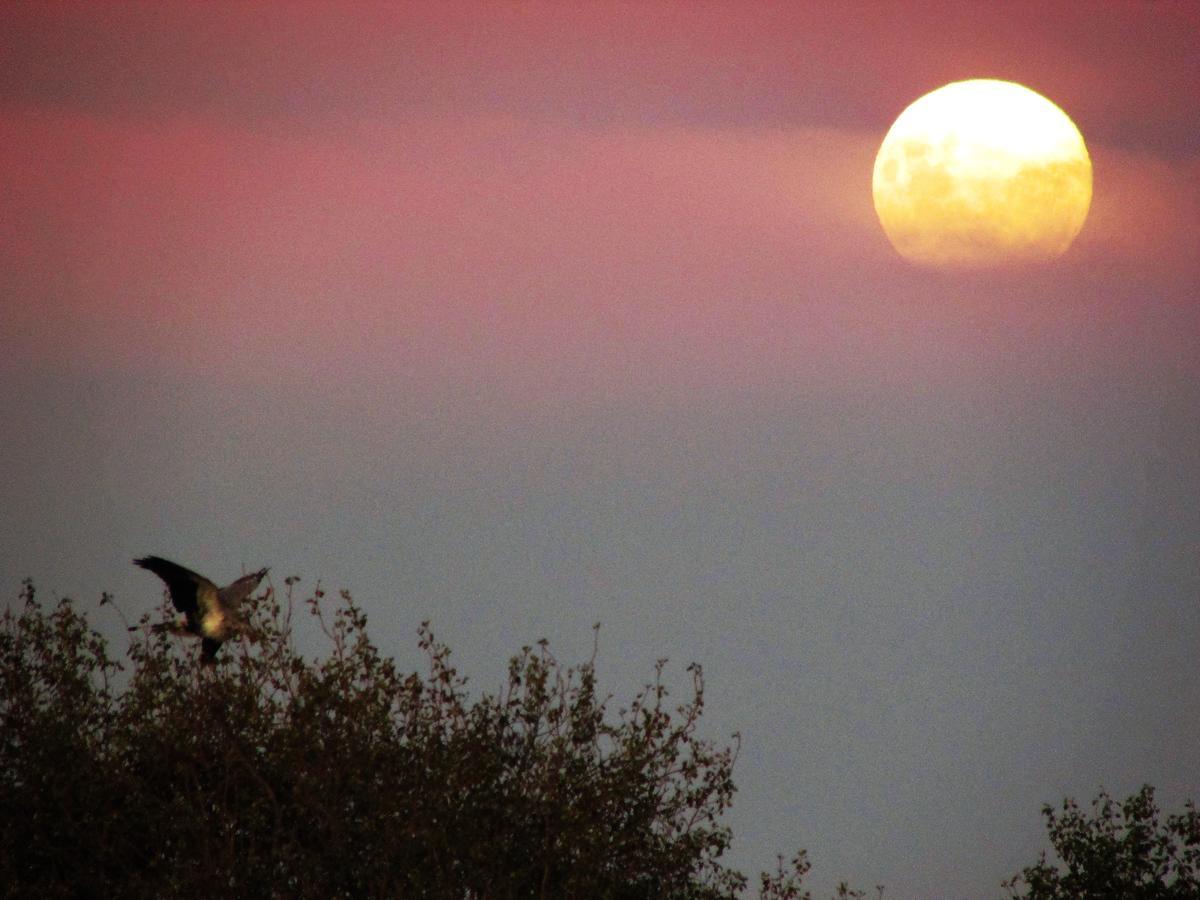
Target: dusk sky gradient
[[520, 317]]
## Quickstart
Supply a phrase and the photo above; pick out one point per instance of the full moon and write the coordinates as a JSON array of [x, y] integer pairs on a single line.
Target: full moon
[[982, 173]]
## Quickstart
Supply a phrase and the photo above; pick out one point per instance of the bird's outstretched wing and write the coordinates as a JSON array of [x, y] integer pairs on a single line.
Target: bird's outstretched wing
[[191, 594], [232, 596]]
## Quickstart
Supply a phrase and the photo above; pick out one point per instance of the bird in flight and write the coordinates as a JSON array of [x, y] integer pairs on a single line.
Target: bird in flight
[[209, 613]]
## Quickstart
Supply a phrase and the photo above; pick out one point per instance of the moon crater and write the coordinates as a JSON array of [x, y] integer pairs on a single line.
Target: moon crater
[[982, 173]]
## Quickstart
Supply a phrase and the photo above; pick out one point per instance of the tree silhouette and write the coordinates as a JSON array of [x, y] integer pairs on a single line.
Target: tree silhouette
[[272, 775], [1120, 850], [269, 774]]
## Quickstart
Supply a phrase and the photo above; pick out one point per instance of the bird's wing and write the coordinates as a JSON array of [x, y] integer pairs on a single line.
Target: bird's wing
[[190, 593], [232, 596]]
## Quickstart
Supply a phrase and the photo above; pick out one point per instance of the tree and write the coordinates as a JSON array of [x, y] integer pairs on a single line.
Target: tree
[[272, 775], [1120, 850]]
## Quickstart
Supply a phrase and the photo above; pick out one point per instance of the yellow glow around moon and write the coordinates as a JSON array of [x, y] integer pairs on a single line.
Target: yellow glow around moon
[[982, 173]]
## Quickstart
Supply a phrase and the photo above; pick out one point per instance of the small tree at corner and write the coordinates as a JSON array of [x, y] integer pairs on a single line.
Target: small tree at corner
[[1119, 850]]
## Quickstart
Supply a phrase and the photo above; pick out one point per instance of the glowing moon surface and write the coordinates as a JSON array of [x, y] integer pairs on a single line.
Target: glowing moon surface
[[982, 173]]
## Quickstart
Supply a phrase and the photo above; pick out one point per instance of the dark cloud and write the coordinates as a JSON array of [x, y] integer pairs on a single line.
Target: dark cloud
[[1128, 72]]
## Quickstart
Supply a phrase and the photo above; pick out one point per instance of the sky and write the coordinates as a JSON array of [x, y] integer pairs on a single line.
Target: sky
[[521, 317]]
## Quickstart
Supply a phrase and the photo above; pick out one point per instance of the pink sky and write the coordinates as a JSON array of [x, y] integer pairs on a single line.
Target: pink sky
[[524, 183]]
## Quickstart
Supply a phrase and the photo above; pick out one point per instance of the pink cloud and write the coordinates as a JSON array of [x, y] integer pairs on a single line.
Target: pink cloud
[[429, 220], [498, 250], [1143, 212]]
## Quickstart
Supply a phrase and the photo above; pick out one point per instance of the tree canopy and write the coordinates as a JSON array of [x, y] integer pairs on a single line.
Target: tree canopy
[[270, 774], [1118, 850], [274, 775]]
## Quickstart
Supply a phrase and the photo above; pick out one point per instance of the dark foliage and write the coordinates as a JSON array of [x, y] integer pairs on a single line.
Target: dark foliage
[[270, 775], [1119, 851]]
